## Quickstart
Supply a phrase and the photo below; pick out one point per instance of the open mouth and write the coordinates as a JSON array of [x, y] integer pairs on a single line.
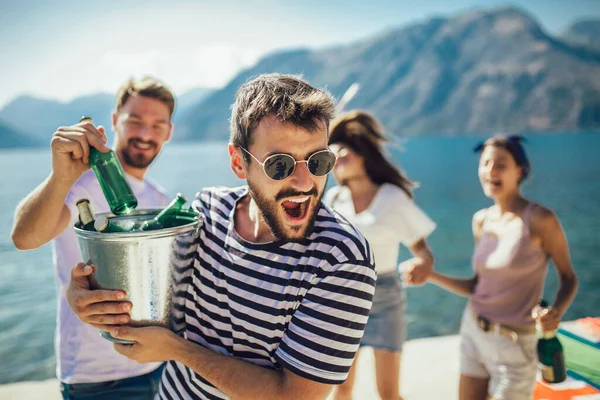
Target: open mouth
[[493, 183], [296, 209]]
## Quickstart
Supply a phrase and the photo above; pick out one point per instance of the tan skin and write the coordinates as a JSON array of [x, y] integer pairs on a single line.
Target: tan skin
[[43, 215], [350, 170], [236, 378], [499, 176]]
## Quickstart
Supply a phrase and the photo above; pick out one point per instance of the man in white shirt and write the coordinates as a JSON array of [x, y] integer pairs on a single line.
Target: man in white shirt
[[87, 365]]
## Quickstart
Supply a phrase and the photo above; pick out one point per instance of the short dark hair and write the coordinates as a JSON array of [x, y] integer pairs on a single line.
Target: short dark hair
[[287, 97]]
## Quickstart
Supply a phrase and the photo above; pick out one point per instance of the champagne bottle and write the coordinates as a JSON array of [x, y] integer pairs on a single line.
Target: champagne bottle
[[167, 217], [86, 216], [113, 182], [550, 355], [103, 224]]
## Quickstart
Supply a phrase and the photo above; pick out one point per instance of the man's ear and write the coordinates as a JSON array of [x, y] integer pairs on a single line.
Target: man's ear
[[170, 135], [236, 161]]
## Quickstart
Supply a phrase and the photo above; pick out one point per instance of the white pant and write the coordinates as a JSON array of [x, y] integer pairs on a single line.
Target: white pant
[[510, 366]]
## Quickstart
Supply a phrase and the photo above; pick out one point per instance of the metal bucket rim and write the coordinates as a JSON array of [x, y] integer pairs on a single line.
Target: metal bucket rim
[[136, 235]]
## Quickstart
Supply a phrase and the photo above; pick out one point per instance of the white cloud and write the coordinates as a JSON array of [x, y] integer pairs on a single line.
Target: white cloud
[[206, 66], [180, 68]]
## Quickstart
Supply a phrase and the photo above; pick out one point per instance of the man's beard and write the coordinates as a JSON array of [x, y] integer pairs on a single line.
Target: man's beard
[[139, 160], [269, 210]]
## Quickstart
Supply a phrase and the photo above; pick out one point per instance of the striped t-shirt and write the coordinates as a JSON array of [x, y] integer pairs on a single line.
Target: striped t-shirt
[[300, 305]]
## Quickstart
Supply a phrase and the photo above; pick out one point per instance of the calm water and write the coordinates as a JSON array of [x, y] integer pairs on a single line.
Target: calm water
[[566, 177]]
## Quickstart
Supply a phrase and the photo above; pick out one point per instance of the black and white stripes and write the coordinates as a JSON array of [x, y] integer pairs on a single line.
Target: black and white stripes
[[299, 305]]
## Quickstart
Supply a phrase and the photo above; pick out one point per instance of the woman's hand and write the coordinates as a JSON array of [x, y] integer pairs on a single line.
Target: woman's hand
[[415, 271], [547, 318]]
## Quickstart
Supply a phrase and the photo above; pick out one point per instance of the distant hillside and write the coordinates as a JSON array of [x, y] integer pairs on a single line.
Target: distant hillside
[[189, 100], [585, 33], [41, 117], [11, 138], [481, 71], [477, 72]]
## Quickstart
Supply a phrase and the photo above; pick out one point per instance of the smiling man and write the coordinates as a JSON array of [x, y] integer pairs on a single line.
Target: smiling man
[[87, 365], [280, 287]]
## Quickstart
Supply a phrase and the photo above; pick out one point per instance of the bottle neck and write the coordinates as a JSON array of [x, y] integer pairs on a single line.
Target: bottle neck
[[85, 213], [548, 334]]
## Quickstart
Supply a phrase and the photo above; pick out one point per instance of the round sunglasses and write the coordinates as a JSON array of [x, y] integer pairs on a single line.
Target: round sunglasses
[[281, 166]]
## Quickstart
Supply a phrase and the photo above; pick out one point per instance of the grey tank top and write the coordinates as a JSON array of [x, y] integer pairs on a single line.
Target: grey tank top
[[511, 270]]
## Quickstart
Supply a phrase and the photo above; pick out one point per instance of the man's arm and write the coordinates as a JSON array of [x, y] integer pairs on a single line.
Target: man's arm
[[105, 309], [43, 214], [237, 379]]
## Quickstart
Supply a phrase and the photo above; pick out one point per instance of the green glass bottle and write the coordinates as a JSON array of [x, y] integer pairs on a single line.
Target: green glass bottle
[[551, 356], [86, 216], [103, 224], [167, 217], [113, 182]]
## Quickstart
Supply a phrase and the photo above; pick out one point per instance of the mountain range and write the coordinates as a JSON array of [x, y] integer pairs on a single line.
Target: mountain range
[[41, 117], [480, 71]]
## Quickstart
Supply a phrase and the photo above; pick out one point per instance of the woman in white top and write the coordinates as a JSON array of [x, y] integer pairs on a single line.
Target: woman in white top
[[376, 197]]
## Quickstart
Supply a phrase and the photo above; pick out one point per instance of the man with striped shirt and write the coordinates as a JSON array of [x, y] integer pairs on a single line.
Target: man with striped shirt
[[278, 291]]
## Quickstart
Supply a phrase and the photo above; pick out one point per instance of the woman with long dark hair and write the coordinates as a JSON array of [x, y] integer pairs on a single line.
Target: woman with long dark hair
[[376, 197], [514, 238]]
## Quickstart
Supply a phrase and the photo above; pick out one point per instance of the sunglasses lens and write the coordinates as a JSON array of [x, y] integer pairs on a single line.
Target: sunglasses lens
[[321, 163], [279, 166]]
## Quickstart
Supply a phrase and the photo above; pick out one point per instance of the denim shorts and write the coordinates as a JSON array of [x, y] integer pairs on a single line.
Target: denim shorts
[[136, 388], [386, 327]]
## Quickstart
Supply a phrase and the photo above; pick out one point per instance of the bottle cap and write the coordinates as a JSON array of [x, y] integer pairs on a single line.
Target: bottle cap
[[101, 223], [85, 118], [181, 196], [82, 201]]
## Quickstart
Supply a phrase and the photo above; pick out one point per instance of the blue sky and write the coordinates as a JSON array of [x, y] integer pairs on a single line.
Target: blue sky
[[64, 48]]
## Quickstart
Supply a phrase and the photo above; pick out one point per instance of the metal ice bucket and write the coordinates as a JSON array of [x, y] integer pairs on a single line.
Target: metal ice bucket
[[151, 266]]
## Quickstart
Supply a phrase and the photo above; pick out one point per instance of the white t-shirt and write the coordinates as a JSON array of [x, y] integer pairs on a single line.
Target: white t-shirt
[[391, 218], [83, 356]]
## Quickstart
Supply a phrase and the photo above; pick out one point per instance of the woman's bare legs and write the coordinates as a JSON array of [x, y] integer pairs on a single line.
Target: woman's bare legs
[[473, 388], [387, 372]]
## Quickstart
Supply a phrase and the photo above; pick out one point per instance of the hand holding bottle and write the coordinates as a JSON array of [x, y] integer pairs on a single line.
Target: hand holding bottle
[[71, 149], [550, 352], [548, 318]]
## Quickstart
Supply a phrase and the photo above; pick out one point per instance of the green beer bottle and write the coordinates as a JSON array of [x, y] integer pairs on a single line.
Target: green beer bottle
[[103, 224], [86, 216], [167, 217], [551, 356], [113, 182]]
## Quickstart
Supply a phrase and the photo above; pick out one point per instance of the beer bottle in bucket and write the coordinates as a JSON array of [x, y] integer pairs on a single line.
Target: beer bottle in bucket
[[113, 182], [86, 216], [168, 215], [103, 224], [550, 355]]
